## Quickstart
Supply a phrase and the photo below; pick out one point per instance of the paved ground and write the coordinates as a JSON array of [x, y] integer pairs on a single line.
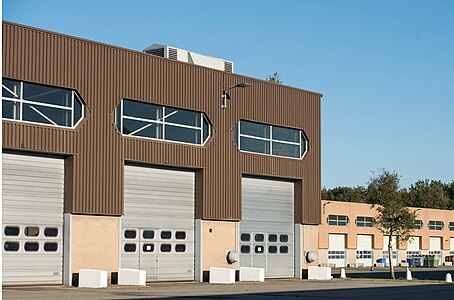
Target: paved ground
[[383, 273], [272, 289]]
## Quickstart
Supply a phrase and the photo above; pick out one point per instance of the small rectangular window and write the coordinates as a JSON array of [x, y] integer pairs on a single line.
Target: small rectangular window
[[50, 232], [283, 238], [272, 249], [418, 225], [50, 247], [148, 247], [272, 238], [336, 220], [166, 235], [259, 237], [11, 246], [148, 234], [180, 248], [451, 226], [245, 237], [12, 231], [130, 247], [365, 221], [259, 249], [130, 234], [31, 231], [166, 248], [245, 249], [31, 246], [180, 235], [436, 225], [283, 249]]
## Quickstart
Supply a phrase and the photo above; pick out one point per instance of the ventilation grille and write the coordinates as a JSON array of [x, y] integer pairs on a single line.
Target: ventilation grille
[[157, 52], [173, 53], [228, 66]]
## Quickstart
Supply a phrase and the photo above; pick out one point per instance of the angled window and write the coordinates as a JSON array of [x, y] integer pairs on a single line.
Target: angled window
[[436, 225], [40, 104], [365, 221], [144, 120], [336, 220], [418, 225], [270, 140]]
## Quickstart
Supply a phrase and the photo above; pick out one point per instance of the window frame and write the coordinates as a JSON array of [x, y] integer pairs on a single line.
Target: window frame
[[365, 222], [270, 140], [163, 123], [337, 220], [451, 226], [435, 224], [21, 101], [421, 227]]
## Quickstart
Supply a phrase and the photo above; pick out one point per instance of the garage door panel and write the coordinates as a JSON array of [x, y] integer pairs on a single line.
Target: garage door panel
[[160, 200], [267, 209], [33, 190]]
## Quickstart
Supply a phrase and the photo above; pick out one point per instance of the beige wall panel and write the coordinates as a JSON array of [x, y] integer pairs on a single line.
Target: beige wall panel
[[95, 243], [309, 240], [218, 237]]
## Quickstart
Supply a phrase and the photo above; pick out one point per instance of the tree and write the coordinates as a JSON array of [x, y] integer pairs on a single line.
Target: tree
[[343, 193], [428, 194], [274, 78], [449, 189], [394, 217]]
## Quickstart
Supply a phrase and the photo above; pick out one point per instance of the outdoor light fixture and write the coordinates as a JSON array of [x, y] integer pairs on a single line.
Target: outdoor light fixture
[[226, 96]]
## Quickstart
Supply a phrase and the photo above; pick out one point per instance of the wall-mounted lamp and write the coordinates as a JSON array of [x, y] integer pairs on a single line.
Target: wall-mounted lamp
[[325, 204], [226, 96]]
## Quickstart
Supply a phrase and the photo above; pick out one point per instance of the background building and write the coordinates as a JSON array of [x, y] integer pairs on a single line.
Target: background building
[[117, 158], [348, 236]]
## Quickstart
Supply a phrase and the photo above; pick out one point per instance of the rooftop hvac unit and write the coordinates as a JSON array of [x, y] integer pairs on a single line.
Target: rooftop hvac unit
[[190, 57]]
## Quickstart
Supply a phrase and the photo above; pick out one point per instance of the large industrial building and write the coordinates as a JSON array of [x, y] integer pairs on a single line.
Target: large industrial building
[[348, 236], [161, 160]]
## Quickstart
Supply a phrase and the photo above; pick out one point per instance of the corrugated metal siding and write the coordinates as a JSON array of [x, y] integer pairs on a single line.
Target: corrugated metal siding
[[103, 75]]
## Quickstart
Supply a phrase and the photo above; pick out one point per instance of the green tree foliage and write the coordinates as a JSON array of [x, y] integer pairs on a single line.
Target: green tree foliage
[[449, 190], [343, 193], [274, 78], [428, 194], [394, 217]]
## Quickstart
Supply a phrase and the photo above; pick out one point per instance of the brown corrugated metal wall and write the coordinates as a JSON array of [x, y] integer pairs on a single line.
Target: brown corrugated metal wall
[[103, 75]]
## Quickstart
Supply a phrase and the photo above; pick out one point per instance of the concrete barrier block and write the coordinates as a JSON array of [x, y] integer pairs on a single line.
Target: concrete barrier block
[[380, 265], [222, 275], [319, 273], [89, 278], [252, 274], [448, 263], [403, 264], [132, 277]]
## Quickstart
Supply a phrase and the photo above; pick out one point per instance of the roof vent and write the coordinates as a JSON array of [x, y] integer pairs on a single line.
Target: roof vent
[[190, 57]]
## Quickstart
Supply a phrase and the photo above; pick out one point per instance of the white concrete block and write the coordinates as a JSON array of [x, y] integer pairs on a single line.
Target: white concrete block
[[403, 264], [89, 278], [380, 265], [319, 273], [252, 274], [448, 263], [132, 277], [222, 275]]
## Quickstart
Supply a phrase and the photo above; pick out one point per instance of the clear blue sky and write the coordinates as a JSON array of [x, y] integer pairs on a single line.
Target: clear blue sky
[[386, 68]]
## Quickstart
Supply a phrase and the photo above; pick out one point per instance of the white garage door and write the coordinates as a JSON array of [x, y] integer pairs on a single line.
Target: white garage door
[[395, 258], [33, 189], [336, 250], [158, 223], [414, 246], [267, 227], [435, 247], [364, 250]]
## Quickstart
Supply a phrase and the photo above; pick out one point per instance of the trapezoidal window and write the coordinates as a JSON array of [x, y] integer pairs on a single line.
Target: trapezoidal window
[[145, 120], [40, 104], [270, 140]]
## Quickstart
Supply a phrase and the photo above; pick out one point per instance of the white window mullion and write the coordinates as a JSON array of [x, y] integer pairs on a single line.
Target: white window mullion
[[299, 155], [72, 108], [121, 116], [201, 129], [271, 140], [163, 123], [21, 106], [239, 135]]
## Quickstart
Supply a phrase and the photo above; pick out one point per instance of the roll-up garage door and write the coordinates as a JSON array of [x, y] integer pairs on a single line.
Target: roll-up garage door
[[336, 250], [414, 246], [267, 227], [435, 247], [33, 189], [395, 258], [364, 250], [158, 223]]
